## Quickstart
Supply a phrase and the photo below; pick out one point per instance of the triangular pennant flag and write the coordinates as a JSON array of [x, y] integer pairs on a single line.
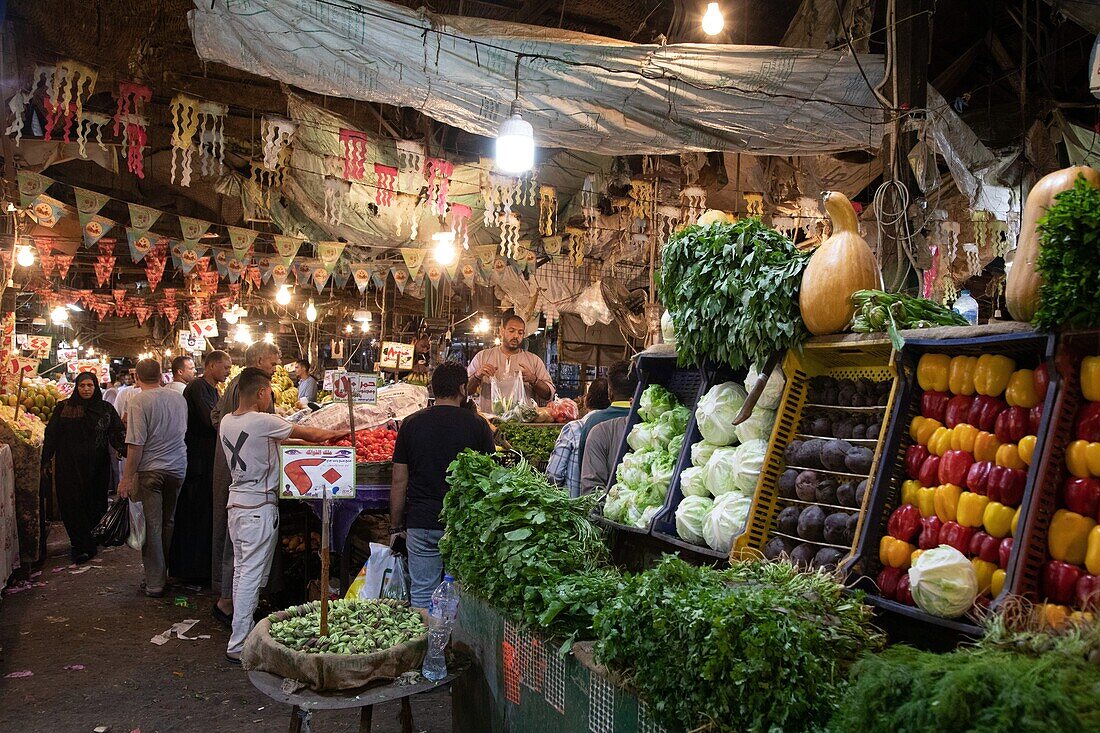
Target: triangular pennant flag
[[414, 259], [142, 311], [154, 269], [187, 257], [94, 227], [252, 275], [362, 274], [303, 273], [193, 229], [451, 270], [47, 262], [329, 252], [104, 266], [400, 277], [141, 243], [237, 265], [210, 282], [279, 273], [63, 263], [265, 264], [31, 186], [486, 253], [47, 211], [469, 272], [89, 202], [242, 239], [321, 275], [287, 247], [435, 274], [142, 218], [341, 273], [221, 261], [171, 312], [378, 274]]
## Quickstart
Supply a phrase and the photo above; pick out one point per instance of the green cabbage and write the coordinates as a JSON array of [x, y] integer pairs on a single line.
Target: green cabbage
[[750, 459], [655, 401], [726, 520], [647, 516], [635, 471], [643, 436], [717, 411], [757, 427], [662, 467], [943, 582], [618, 499], [691, 482], [677, 418], [773, 391], [676, 445], [701, 453], [690, 516], [720, 470]]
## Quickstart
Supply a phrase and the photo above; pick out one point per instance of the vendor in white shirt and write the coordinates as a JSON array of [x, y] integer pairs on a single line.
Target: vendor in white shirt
[[509, 358]]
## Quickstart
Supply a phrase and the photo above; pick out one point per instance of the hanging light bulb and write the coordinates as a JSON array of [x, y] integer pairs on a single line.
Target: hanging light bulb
[[243, 334], [59, 316], [347, 328], [25, 256], [713, 21], [365, 326], [91, 352], [269, 338], [443, 251], [282, 297], [76, 344], [311, 311], [515, 146]]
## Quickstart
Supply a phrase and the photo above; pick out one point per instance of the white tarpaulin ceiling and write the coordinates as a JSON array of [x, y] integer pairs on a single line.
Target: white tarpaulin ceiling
[[578, 91]]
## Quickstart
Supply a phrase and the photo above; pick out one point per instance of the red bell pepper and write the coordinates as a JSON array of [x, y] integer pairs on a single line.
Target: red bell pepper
[[929, 532], [958, 410], [888, 580], [1088, 423], [984, 546], [904, 523], [929, 471], [1040, 379], [934, 404], [1060, 581], [1006, 485], [956, 535], [1087, 592], [914, 457], [954, 466], [1034, 418], [1004, 552], [1082, 495], [977, 477], [984, 411], [1011, 425], [903, 593]]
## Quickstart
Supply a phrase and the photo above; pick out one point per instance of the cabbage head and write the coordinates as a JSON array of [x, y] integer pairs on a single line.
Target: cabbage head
[[636, 469], [701, 453], [691, 482], [677, 417], [773, 391], [643, 436], [717, 410], [726, 520], [943, 582], [720, 470], [750, 459], [662, 467], [655, 401], [647, 516], [663, 433], [676, 445], [615, 505], [757, 427], [690, 516]]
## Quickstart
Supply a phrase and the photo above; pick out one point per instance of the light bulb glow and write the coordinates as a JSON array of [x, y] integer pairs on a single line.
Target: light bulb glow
[[282, 297], [243, 334], [59, 316], [91, 352], [347, 328], [311, 311], [269, 337], [713, 21], [365, 326], [25, 256], [76, 344], [515, 145], [444, 251]]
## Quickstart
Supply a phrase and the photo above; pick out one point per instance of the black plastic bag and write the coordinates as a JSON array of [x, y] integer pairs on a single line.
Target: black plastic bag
[[114, 528]]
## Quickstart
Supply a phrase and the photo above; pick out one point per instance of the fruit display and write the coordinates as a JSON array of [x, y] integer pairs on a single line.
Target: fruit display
[[283, 390], [355, 627], [828, 467], [371, 446], [27, 427], [38, 397], [420, 380], [296, 543]]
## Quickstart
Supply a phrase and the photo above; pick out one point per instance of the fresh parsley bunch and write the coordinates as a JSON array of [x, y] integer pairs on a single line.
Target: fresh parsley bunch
[[1069, 260]]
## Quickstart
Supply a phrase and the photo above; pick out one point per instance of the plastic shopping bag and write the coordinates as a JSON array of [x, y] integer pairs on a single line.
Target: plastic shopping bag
[[506, 391], [137, 526], [114, 528], [397, 584], [372, 578]]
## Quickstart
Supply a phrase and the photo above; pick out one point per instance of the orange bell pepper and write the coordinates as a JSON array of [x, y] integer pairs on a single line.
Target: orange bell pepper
[[992, 373], [997, 519], [1008, 455], [909, 491], [940, 442], [922, 428], [1015, 520], [1068, 536], [1083, 458], [985, 446], [960, 375], [1090, 378], [946, 500], [932, 372], [996, 583], [1092, 552], [1051, 615], [984, 570], [1026, 447], [894, 553], [914, 556], [971, 509], [1021, 389], [963, 436], [926, 501]]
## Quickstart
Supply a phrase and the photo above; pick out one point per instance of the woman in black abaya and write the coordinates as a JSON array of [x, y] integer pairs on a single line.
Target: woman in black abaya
[[76, 447]]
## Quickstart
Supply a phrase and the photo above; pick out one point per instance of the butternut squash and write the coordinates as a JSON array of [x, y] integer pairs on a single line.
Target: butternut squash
[[841, 265], [1023, 280]]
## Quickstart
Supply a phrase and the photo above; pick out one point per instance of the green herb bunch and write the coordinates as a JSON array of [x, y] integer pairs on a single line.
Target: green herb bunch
[[524, 545], [758, 647], [533, 443], [732, 292], [1069, 259]]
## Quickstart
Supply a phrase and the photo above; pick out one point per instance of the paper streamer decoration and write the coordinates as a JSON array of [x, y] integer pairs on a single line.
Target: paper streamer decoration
[[693, 201], [276, 133], [93, 122], [641, 198], [385, 180], [212, 136], [337, 192], [754, 204], [509, 235], [404, 214], [460, 223], [548, 210], [414, 259], [438, 174], [131, 102], [72, 83], [94, 228], [17, 105], [135, 138], [184, 113], [411, 156], [355, 153]]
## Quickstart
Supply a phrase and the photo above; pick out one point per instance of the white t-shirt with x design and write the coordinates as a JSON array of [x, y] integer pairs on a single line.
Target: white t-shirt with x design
[[251, 444]]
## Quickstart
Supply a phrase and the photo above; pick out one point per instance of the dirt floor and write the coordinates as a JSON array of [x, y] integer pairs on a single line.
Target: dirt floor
[[83, 635]]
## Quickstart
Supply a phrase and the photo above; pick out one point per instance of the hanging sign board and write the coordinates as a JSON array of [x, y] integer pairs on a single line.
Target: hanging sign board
[[66, 354], [206, 327], [396, 355], [190, 341], [363, 387], [311, 471], [40, 345], [22, 365]]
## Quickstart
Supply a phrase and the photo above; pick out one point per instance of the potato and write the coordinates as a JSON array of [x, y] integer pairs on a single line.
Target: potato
[[872, 431], [787, 521], [805, 485], [826, 491], [861, 489], [803, 555], [792, 452], [853, 523], [846, 494], [809, 455], [811, 524], [843, 429], [821, 426], [786, 485]]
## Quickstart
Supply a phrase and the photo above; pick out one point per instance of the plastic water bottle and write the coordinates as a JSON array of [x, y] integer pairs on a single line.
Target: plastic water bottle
[[966, 307], [442, 612]]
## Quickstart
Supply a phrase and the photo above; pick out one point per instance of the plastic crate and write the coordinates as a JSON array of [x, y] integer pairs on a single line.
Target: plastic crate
[[868, 359], [374, 472], [1028, 349], [1051, 469], [687, 383]]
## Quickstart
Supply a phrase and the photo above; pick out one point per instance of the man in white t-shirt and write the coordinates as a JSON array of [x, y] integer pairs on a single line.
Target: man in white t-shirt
[[508, 362], [183, 371], [251, 437]]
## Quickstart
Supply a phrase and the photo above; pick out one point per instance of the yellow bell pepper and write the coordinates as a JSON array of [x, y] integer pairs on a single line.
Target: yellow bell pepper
[[963, 437], [1090, 378], [893, 552], [926, 501], [1068, 536], [1008, 455], [1021, 389], [940, 442], [1092, 552], [947, 501], [1083, 458], [914, 556], [996, 583], [909, 491], [997, 519], [932, 372], [1082, 618], [992, 373], [985, 446], [971, 509], [960, 375], [1015, 520], [1026, 447], [922, 428], [984, 570]]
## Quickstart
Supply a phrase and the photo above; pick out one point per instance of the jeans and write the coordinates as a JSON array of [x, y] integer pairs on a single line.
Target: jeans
[[157, 491], [425, 564], [254, 534]]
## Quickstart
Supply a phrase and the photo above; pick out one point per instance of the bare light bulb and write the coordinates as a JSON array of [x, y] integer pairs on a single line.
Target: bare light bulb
[[347, 328], [59, 316], [282, 297], [713, 22], [444, 251], [25, 256], [365, 326], [311, 311], [269, 338]]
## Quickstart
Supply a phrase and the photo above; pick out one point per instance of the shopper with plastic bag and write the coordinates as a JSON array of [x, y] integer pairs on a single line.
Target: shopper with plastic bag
[[508, 375]]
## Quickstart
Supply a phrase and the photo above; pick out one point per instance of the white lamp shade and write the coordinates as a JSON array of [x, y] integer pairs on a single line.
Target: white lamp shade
[[515, 148]]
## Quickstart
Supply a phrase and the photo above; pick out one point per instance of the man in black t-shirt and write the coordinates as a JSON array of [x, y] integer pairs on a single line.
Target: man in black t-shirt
[[426, 444]]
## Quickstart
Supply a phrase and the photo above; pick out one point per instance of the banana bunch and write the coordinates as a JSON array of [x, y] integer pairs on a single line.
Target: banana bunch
[[282, 386], [420, 380]]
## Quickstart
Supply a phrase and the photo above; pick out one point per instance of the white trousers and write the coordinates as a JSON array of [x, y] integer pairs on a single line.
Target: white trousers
[[255, 535]]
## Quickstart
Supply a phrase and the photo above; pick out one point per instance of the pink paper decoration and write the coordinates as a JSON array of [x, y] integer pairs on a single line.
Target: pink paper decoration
[[438, 173], [355, 153], [386, 181]]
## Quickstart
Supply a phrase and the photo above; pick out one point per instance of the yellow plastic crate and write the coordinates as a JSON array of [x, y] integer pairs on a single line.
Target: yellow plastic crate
[[867, 359]]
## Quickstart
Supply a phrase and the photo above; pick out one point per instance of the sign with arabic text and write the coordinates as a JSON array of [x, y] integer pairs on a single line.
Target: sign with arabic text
[[311, 471], [396, 355]]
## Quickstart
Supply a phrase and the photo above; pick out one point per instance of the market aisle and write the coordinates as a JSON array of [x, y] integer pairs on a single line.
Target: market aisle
[[93, 616]]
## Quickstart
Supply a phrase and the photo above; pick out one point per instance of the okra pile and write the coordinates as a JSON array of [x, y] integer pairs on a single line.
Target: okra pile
[[355, 627]]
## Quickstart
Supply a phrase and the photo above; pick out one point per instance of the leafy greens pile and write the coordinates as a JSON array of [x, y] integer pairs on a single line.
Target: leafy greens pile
[[1069, 259], [732, 292], [758, 647], [524, 545], [534, 444]]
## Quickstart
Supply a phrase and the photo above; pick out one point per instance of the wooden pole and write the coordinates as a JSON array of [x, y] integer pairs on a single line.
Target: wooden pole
[[325, 541], [18, 397]]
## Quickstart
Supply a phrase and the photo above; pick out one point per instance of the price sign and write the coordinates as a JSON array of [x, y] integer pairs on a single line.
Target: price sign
[[190, 341], [66, 354], [311, 471], [397, 355], [21, 365], [40, 345], [363, 387], [207, 328]]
